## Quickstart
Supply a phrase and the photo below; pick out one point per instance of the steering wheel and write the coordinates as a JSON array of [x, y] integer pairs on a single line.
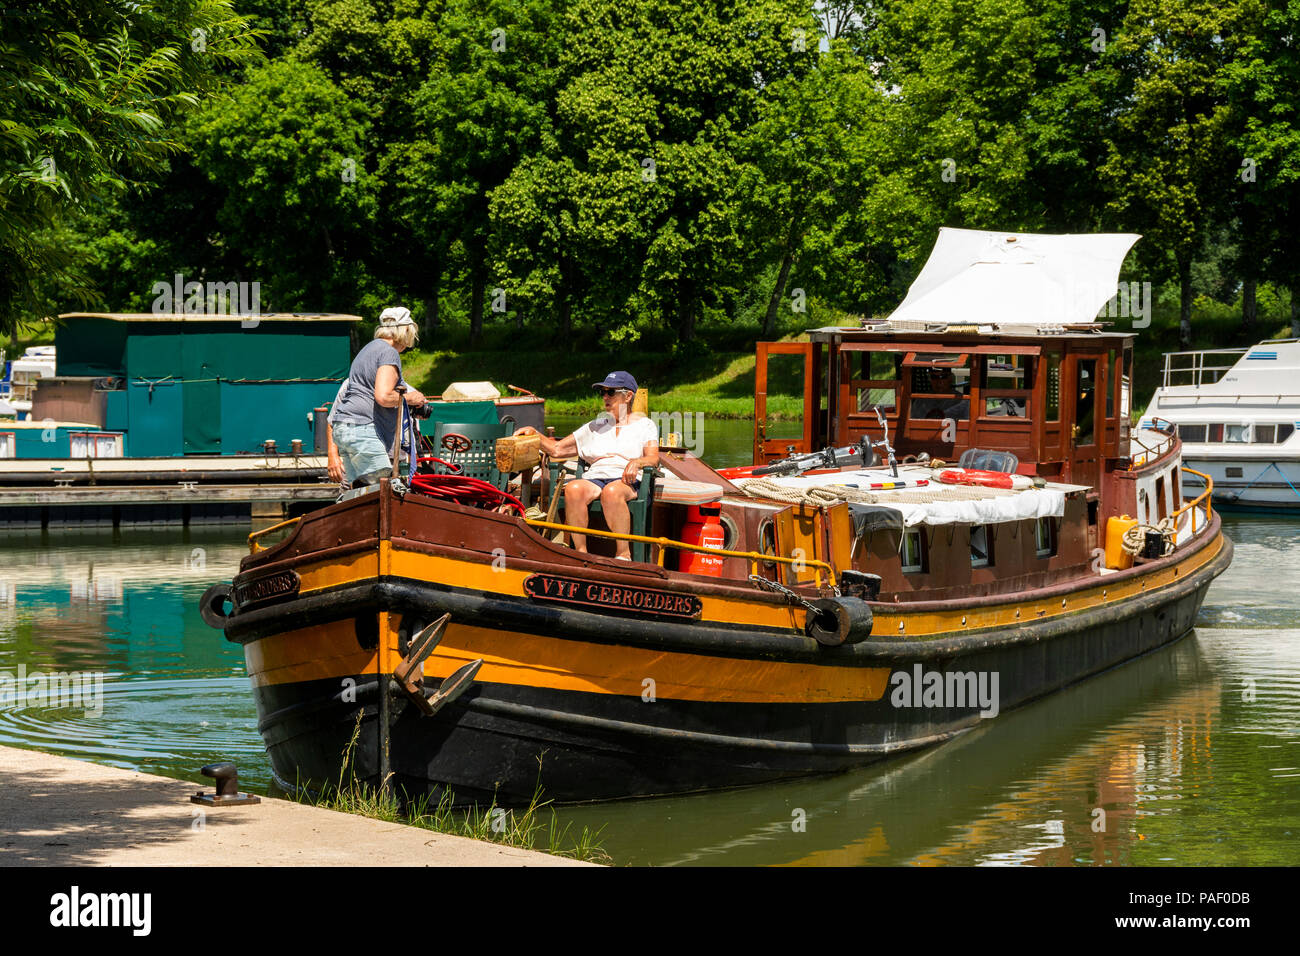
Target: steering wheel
[[456, 443]]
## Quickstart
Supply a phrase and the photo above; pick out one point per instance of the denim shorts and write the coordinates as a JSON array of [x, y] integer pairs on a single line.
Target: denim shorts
[[602, 482], [361, 450]]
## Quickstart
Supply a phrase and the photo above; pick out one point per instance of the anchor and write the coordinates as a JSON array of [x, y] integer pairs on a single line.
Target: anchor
[[413, 686]]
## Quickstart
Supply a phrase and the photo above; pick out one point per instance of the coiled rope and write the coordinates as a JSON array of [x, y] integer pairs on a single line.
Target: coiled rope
[[1135, 538], [832, 494]]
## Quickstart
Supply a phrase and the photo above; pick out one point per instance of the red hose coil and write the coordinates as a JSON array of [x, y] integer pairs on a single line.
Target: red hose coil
[[462, 489]]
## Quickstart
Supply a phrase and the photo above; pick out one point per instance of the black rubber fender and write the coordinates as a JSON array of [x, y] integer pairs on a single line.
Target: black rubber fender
[[212, 606], [842, 620]]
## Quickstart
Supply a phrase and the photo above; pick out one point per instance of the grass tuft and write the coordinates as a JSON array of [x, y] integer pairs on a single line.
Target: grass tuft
[[535, 827]]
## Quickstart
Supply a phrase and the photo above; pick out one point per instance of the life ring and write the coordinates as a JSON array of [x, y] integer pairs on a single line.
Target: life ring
[[984, 479], [212, 606]]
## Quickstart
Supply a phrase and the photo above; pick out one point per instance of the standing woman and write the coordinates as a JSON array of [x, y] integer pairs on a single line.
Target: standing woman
[[365, 415], [616, 446]]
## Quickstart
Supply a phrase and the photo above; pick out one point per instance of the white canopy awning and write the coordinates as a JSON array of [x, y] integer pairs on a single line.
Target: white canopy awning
[[1021, 279]]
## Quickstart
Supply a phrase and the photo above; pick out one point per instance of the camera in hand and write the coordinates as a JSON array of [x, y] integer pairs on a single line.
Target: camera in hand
[[421, 411]]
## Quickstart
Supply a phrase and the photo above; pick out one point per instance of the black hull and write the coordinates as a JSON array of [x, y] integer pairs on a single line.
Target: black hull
[[594, 746]]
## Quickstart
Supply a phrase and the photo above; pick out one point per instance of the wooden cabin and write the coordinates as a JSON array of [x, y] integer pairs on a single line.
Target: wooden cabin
[[1058, 399]]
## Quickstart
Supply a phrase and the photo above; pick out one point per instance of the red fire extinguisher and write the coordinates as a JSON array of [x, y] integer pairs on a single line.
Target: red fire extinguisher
[[703, 528]]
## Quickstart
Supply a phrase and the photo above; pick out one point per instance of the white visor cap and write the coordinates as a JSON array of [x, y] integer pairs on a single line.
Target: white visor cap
[[395, 317]]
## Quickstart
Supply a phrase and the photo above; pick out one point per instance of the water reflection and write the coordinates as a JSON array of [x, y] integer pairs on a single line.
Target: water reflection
[[124, 605]]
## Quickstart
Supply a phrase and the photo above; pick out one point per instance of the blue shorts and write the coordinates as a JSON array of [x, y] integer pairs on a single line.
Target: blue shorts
[[361, 450], [602, 482]]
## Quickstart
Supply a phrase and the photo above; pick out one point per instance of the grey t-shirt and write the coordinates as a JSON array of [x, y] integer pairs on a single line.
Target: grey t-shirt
[[356, 403]]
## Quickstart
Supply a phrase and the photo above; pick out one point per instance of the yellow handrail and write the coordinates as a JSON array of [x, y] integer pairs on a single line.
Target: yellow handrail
[[252, 538], [1209, 507], [754, 557]]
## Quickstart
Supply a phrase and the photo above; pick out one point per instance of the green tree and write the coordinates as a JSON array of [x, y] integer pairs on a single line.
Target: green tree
[[1170, 168], [90, 98], [288, 151], [483, 107], [1263, 88]]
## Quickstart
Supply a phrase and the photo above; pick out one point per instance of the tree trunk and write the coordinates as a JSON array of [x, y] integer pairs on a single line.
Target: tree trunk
[[1185, 301], [778, 293], [566, 318], [477, 284], [686, 318], [1249, 305], [431, 304]]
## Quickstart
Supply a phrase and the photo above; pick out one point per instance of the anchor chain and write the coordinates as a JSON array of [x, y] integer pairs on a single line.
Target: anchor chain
[[790, 595]]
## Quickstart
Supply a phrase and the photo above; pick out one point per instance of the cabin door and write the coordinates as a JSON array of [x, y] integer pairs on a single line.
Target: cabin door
[[1085, 410], [785, 399]]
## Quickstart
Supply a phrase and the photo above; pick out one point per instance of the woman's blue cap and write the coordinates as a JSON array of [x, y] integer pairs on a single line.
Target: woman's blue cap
[[618, 380]]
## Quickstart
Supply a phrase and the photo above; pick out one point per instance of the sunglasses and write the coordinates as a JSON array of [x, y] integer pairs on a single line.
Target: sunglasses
[[607, 392]]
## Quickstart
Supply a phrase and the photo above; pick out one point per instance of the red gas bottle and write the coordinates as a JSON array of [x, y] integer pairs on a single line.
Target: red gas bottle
[[704, 529]]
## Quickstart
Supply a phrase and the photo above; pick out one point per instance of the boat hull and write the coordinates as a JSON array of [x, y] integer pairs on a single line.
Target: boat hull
[[1247, 484], [593, 706]]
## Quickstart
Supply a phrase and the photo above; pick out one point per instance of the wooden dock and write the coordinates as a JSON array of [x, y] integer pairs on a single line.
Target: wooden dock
[[182, 503]]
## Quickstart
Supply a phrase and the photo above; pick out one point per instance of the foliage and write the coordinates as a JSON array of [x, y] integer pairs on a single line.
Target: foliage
[[90, 98], [626, 174]]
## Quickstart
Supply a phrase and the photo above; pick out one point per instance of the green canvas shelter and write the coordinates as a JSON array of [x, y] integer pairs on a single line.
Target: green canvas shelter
[[208, 384]]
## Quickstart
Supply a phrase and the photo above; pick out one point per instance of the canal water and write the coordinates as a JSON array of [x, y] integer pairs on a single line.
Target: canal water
[[1189, 756]]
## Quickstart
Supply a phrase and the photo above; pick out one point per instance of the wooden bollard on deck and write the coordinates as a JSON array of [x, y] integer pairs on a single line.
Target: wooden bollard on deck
[[518, 452]]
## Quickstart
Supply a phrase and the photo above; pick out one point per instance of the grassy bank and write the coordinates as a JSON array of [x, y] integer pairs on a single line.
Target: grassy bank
[[535, 827], [719, 384], [715, 374]]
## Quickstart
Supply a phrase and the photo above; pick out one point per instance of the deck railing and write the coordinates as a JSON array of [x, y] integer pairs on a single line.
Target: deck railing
[[754, 557], [1204, 496], [254, 547], [1151, 451], [1194, 370]]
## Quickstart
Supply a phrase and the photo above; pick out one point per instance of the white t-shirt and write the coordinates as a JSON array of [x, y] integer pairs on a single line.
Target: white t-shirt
[[607, 449]]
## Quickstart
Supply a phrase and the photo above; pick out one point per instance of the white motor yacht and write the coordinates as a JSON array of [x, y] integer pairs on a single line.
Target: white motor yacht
[[1236, 411]]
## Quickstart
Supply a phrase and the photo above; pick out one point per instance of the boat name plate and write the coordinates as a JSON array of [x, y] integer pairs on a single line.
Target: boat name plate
[[618, 597], [280, 584]]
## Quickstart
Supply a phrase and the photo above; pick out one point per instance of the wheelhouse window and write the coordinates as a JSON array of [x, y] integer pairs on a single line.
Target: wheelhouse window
[[981, 546], [875, 384], [1053, 387], [1111, 384], [940, 385], [1215, 433], [1284, 431], [1237, 433], [1008, 386], [1191, 432], [1045, 537], [8, 448], [912, 552], [1085, 405]]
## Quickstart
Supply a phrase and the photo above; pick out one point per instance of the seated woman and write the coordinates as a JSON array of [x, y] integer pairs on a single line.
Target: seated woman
[[616, 446]]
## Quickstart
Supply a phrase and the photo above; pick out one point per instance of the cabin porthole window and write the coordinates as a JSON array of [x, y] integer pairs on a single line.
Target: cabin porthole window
[[912, 552], [1044, 537], [731, 532], [981, 546]]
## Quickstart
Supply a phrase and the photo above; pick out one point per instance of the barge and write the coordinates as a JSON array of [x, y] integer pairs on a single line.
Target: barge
[[962, 565]]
